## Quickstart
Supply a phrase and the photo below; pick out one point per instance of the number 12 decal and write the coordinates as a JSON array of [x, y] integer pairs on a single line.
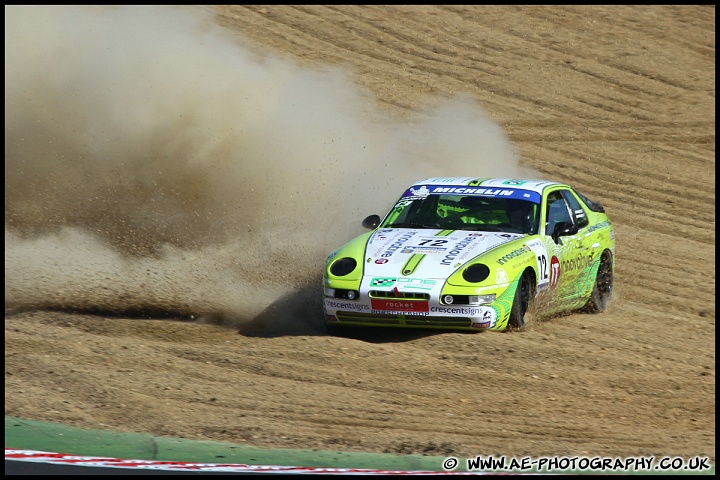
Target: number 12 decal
[[542, 266], [554, 272]]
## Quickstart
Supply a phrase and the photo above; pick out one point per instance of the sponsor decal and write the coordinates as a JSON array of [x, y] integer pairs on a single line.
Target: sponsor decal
[[456, 250], [415, 283], [449, 179], [489, 316], [380, 235], [554, 271], [398, 305], [488, 319], [535, 243], [346, 305], [373, 242], [405, 314], [515, 253], [577, 263], [428, 250], [381, 261], [420, 192], [425, 190], [501, 276], [383, 282], [467, 311], [480, 313], [398, 244], [592, 228], [473, 191]]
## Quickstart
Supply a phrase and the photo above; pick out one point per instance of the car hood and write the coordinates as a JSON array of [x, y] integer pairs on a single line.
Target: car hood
[[427, 253]]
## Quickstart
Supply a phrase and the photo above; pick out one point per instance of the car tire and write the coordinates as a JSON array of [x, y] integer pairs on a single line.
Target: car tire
[[521, 302], [602, 289]]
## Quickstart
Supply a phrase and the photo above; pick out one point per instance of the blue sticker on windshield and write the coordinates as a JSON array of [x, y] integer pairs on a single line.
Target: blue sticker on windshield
[[425, 190]]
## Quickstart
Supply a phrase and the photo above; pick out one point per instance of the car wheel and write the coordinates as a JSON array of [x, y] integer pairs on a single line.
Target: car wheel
[[602, 290], [521, 302]]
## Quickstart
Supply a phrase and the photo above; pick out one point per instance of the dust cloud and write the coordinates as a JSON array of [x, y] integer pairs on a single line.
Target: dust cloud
[[153, 163]]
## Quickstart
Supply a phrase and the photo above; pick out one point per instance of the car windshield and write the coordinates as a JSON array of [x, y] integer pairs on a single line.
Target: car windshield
[[465, 212]]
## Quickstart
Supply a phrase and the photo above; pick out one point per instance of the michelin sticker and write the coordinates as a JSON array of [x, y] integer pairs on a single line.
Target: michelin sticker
[[421, 192]]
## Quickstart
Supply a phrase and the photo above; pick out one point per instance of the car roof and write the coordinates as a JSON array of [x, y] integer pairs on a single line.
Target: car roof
[[534, 185]]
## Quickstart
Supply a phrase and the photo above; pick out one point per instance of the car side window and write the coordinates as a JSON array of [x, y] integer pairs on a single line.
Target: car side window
[[557, 211], [578, 212]]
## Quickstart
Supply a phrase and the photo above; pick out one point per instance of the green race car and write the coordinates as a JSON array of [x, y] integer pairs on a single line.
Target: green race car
[[473, 254]]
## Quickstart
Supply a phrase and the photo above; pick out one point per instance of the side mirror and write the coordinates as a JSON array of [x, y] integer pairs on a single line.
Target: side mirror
[[563, 229], [371, 222]]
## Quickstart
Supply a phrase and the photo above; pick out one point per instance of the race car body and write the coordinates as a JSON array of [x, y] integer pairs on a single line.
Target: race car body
[[473, 254]]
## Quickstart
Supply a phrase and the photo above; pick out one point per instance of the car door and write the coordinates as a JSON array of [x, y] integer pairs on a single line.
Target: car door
[[564, 252], [588, 253]]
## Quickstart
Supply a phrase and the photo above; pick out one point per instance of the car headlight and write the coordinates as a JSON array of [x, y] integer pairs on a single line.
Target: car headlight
[[475, 273], [343, 266], [482, 299]]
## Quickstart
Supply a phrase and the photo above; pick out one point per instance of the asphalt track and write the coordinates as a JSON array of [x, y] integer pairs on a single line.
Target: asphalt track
[[41, 448]]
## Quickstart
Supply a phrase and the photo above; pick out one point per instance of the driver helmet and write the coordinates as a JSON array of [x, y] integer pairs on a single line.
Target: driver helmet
[[520, 214]]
